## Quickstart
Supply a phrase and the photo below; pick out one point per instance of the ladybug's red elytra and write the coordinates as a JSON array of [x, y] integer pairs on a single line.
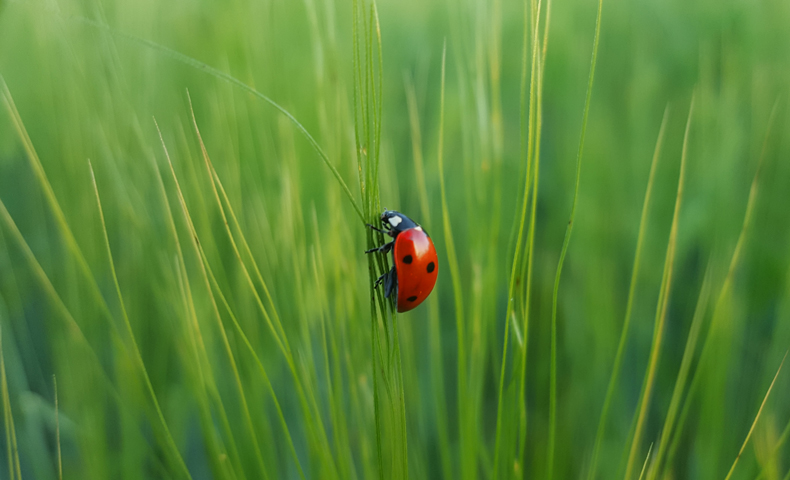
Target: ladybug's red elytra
[[416, 265]]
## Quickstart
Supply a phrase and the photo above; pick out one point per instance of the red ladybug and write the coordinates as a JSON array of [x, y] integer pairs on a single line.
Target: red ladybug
[[416, 264]]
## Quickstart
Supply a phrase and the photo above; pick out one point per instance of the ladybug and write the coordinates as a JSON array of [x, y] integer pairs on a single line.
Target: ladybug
[[415, 262]]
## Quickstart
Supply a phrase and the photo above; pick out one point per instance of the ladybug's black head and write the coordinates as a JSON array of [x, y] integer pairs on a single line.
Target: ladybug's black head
[[397, 222]]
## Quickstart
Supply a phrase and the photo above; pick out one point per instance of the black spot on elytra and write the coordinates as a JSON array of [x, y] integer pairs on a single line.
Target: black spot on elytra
[[411, 299], [431, 267], [407, 259]]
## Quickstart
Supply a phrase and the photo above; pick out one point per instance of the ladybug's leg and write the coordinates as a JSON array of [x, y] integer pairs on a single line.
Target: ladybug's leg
[[378, 229], [391, 282], [384, 248], [380, 280]]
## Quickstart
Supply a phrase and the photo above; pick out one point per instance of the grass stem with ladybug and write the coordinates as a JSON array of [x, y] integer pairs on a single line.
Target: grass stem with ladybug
[[416, 265]]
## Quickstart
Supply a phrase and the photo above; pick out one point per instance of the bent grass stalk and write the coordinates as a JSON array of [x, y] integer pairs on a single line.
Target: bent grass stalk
[[565, 243]]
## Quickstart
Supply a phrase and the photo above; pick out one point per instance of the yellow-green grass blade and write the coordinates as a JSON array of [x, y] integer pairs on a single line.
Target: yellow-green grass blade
[[647, 460], [779, 444], [756, 418]]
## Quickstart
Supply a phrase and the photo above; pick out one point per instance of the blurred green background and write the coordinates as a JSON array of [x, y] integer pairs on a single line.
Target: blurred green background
[[250, 352]]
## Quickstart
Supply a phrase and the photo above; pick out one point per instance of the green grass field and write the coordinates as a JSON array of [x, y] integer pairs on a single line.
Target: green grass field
[[184, 188]]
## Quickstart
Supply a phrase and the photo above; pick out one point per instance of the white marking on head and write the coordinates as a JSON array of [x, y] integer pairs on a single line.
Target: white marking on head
[[418, 228], [395, 220]]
